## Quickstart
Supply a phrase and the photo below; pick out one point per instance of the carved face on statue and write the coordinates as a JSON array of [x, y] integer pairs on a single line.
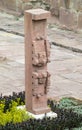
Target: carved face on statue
[[40, 52]]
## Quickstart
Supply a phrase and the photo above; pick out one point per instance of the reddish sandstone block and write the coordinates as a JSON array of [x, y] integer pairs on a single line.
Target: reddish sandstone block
[[37, 53], [39, 14], [68, 18]]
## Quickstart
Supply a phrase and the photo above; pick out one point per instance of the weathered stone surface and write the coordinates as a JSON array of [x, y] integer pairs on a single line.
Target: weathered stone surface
[[65, 3], [71, 4], [74, 7], [11, 4], [68, 18], [48, 1], [19, 5], [27, 6], [80, 20], [25, 0], [39, 14], [77, 5], [55, 7], [71, 18], [37, 52], [1, 3]]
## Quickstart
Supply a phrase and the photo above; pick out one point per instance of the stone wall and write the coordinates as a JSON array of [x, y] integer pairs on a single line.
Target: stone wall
[[68, 12], [18, 6], [71, 14], [11, 5]]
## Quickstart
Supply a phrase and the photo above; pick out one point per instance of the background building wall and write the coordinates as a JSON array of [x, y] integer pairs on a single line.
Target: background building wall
[[68, 12]]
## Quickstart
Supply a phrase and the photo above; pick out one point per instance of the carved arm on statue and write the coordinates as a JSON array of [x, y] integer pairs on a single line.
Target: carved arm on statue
[[47, 83], [47, 49]]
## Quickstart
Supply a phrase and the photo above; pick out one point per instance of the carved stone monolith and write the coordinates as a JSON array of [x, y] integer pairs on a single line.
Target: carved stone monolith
[[37, 52]]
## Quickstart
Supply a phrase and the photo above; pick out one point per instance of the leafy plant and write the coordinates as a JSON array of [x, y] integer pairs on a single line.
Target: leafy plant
[[17, 97], [69, 113], [13, 114]]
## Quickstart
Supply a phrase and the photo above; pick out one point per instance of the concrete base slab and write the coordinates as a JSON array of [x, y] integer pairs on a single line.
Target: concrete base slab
[[40, 116]]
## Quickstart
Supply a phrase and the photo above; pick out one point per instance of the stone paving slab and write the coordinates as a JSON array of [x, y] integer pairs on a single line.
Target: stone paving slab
[[60, 37], [66, 39], [11, 63], [65, 68]]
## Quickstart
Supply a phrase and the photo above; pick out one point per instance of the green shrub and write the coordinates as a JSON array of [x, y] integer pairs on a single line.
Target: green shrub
[[17, 97], [13, 115], [69, 111], [69, 116]]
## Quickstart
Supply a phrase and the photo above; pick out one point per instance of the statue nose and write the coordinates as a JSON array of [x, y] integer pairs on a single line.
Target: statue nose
[[38, 95]]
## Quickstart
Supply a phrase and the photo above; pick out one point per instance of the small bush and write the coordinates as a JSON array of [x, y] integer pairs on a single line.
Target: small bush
[[69, 115], [17, 97], [13, 114]]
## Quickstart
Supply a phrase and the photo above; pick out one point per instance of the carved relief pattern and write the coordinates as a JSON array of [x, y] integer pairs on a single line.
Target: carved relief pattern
[[41, 52], [40, 58]]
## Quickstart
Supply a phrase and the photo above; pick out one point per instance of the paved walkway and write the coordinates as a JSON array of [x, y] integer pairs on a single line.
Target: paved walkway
[[59, 37], [65, 66]]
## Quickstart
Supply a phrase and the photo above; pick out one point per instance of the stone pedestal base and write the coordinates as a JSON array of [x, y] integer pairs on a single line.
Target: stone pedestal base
[[40, 111], [40, 116]]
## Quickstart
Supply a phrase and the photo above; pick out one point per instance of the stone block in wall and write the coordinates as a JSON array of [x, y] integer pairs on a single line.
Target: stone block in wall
[[33, 4], [55, 4], [19, 5], [2, 3], [80, 20], [27, 6], [26, 1], [77, 5], [10, 4], [71, 4], [68, 18], [65, 3], [48, 1], [14, 5]]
